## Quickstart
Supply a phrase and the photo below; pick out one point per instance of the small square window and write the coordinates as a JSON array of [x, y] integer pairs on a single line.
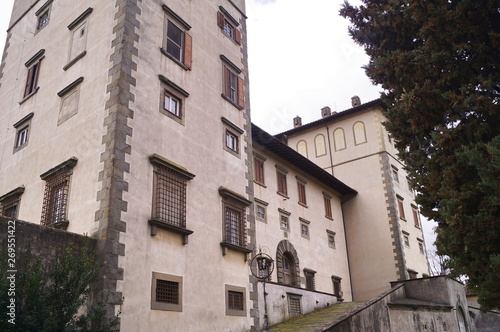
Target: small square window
[[331, 239], [235, 301], [261, 212], [304, 229], [172, 104], [166, 292], [284, 222], [228, 25], [232, 141]]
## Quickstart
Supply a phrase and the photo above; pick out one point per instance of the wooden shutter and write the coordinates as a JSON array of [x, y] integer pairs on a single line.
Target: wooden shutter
[[227, 82], [237, 36], [31, 72], [241, 93], [188, 50], [220, 19]]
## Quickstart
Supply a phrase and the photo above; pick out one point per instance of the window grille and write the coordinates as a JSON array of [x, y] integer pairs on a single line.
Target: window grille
[[234, 217], [170, 199], [235, 300], [167, 291], [55, 199], [294, 305]]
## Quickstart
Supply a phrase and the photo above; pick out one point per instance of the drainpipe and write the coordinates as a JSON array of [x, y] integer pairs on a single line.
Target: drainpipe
[[329, 146]]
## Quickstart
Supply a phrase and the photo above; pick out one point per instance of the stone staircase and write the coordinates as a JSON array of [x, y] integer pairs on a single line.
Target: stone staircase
[[316, 321]]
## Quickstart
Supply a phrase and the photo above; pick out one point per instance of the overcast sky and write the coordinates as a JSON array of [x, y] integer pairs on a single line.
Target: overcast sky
[[301, 59]]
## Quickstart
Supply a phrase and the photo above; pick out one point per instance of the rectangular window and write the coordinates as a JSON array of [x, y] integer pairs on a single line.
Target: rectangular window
[[395, 175], [261, 212], [407, 241], [78, 44], [410, 188], [166, 292], [415, 216], [177, 43], [22, 137], [228, 25], [172, 104], [233, 85], [331, 238], [55, 199], [282, 187], [235, 301], [43, 15], [301, 187], [232, 141], [401, 208], [309, 276], [234, 222], [421, 247], [259, 170], [9, 203], [337, 287], [31, 85], [304, 227], [294, 307], [70, 97], [328, 206], [284, 222]]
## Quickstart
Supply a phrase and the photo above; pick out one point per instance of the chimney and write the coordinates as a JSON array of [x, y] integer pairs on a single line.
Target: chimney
[[355, 101], [297, 121], [325, 112]]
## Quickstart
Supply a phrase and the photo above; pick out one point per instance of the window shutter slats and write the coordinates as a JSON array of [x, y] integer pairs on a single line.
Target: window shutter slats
[[237, 36], [27, 88], [188, 50], [220, 19], [241, 92]]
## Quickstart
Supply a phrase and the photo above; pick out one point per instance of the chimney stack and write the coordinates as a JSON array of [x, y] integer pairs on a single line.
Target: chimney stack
[[297, 121], [355, 101], [326, 112]]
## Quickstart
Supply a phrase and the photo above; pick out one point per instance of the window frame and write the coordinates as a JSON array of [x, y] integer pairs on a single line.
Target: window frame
[[185, 58], [406, 239], [172, 89], [395, 175], [301, 191], [259, 173], [165, 306], [237, 204], [177, 177], [317, 139], [304, 225], [416, 219], [231, 130], [259, 203], [421, 246], [284, 219], [281, 177], [294, 297], [233, 86], [56, 195], [44, 10], [327, 200], [23, 125], [401, 208], [11, 200], [339, 141], [359, 128], [74, 27], [224, 19], [235, 290], [331, 235], [337, 287], [33, 65], [309, 276], [73, 89]]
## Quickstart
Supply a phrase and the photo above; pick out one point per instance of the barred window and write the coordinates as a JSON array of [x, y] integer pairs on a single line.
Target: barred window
[[9, 203], [234, 217], [294, 304], [170, 197], [166, 292], [309, 276], [55, 199], [235, 301]]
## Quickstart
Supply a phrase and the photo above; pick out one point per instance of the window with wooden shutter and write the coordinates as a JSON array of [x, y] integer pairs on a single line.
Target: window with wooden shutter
[[282, 187], [401, 208], [301, 188], [178, 43], [328, 206], [415, 217], [228, 25], [259, 170]]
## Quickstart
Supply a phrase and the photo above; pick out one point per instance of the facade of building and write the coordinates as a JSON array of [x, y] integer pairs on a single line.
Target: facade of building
[[384, 233], [129, 121]]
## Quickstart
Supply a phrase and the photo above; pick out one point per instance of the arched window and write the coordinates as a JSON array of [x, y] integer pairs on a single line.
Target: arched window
[[287, 264], [339, 139], [302, 148], [319, 143], [359, 133]]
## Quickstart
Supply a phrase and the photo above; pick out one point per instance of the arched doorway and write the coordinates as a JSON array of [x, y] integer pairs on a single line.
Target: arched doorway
[[287, 264]]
